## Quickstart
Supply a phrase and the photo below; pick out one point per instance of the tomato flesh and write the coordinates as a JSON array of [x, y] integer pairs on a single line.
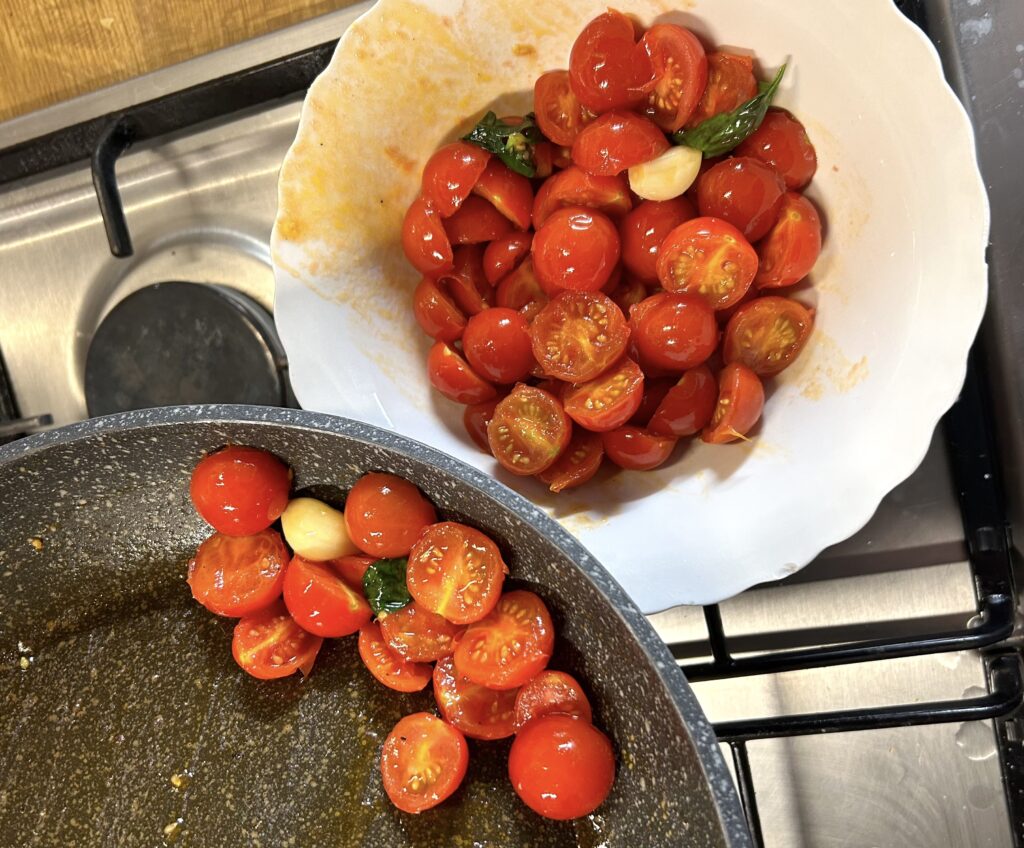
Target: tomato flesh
[[688, 406], [237, 575], [239, 490], [782, 143], [386, 666], [352, 568], [575, 187], [674, 331], [466, 283], [497, 345], [476, 221], [731, 82], [575, 248], [578, 335], [789, 251], [520, 288], [425, 240], [268, 644], [436, 313], [504, 255], [560, 115], [551, 693], [477, 711], [607, 69], [617, 141], [451, 173], [529, 430], [453, 377], [321, 602], [508, 192], [740, 401], [680, 68], [423, 761], [418, 635], [385, 514], [578, 463], [609, 400], [637, 449], [767, 334], [743, 191]]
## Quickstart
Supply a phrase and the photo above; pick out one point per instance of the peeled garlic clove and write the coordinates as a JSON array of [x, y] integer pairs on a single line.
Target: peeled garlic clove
[[667, 176], [315, 530]]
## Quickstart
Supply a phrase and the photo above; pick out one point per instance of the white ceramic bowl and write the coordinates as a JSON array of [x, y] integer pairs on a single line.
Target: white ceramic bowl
[[900, 286]]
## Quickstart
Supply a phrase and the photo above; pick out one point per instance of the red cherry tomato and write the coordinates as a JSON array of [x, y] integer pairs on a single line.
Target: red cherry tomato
[[551, 693], [510, 193], [477, 711], [680, 74], [559, 114], [575, 248], [237, 575], [497, 345], [386, 666], [385, 514], [423, 762], [476, 221], [575, 187], [674, 331], [505, 254], [740, 401], [743, 191], [466, 284], [543, 159], [789, 251], [268, 644], [455, 571], [578, 335], [425, 240], [655, 389], [628, 293], [436, 313], [607, 69], [529, 430], [418, 635], [451, 173], [767, 334], [321, 602], [609, 400], [520, 288], [352, 568], [731, 82], [709, 257], [617, 141], [688, 406], [475, 419], [644, 229], [637, 449], [508, 647], [781, 142], [561, 767], [577, 464], [452, 376], [240, 491]]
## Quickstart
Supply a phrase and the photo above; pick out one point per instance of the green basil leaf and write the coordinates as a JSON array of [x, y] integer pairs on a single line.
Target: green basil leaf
[[512, 144], [384, 585], [721, 133]]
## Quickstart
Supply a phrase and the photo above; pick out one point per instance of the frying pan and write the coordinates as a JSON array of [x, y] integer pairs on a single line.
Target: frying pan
[[114, 680]]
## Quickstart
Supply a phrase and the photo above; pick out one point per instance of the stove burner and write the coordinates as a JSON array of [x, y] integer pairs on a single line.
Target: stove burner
[[184, 343]]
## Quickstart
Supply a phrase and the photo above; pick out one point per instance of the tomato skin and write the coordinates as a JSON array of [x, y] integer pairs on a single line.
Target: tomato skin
[[551, 692], [423, 761], [321, 602], [680, 68], [560, 115], [575, 248], [466, 283], [240, 491], [731, 82], [688, 406], [767, 334], [644, 229], [386, 666], [238, 575], [418, 635], [453, 377], [425, 240], [561, 767], [743, 191], [617, 141], [575, 187], [607, 69], [520, 288], [451, 173], [475, 419], [578, 335], [479, 712], [386, 514], [782, 143], [637, 449], [497, 345], [269, 645], [510, 646], [578, 463], [504, 255], [352, 568], [674, 331], [655, 389], [740, 401], [436, 313], [510, 193], [628, 293], [609, 400], [789, 251], [476, 221], [529, 430]]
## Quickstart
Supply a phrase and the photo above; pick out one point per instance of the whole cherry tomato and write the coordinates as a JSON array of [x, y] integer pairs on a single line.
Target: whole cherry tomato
[[743, 191], [575, 248]]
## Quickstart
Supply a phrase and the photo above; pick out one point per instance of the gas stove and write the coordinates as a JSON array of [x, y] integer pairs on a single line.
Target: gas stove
[[870, 700]]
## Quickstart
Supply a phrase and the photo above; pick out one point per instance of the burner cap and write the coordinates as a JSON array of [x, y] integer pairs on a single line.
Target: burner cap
[[184, 343]]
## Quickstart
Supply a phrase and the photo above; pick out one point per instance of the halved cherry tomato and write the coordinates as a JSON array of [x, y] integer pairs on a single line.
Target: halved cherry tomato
[[731, 82], [709, 257], [575, 248], [781, 142], [268, 644], [740, 401], [637, 449], [237, 575], [628, 293], [240, 491], [510, 193], [561, 767], [529, 430], [386, 514], [559, 114], [385, 665], [436, 313], [688, 406], [577, 464], [674, 331], [543, 159], [425, 240], [476, 221], [321, 602], [743, 191], [551, 692], [680, 74], [617, 141], [520, 288], [578, 335], [475, 419], [466, 282], [789, 251], [451, 173], [455, 571], [767, 334], [352, 568], [497, 345], [575, 187], [418, 635], [509, 646], [452, 376], [644, 229], [503, 255], [607, 69], [423, 762], [477, 711], [655, 389], [609, 400]]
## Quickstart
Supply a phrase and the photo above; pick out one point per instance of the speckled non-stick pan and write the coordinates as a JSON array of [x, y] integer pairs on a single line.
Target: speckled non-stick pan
[[114, 681]]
